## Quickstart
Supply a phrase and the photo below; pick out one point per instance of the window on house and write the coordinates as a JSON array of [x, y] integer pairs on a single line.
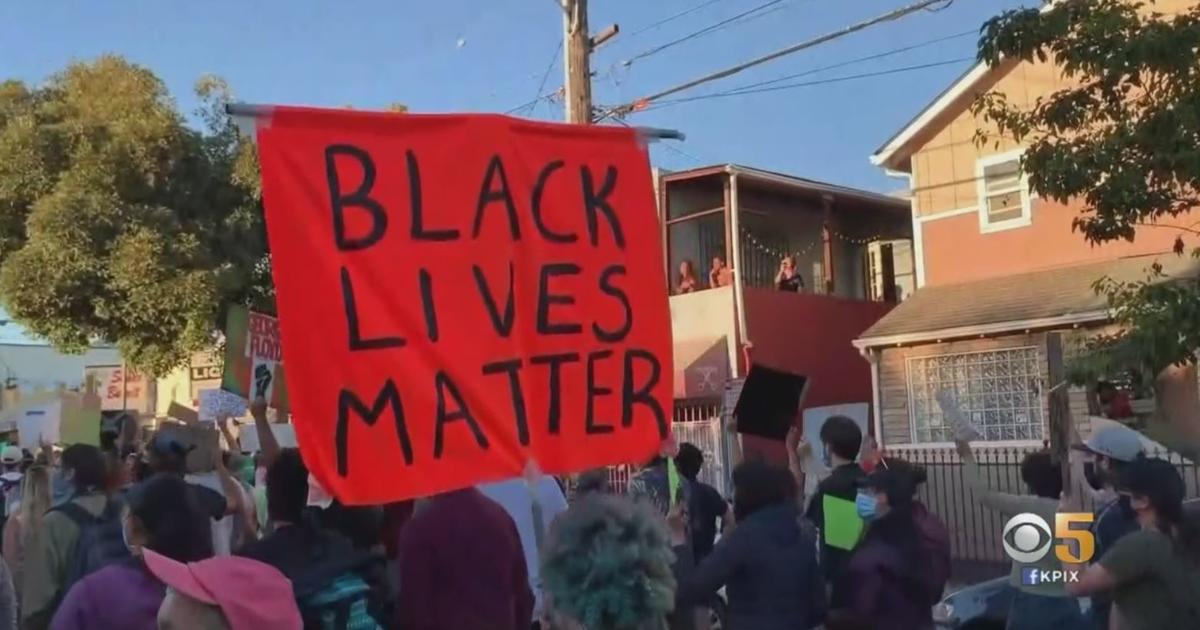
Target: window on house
[[1004, 197], [1000, 391]]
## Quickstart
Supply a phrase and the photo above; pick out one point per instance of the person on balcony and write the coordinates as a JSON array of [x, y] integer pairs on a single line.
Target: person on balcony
[[687, 282], [788, 279], [719, 275]]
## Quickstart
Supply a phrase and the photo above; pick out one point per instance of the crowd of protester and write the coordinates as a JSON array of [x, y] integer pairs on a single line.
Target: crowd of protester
[[139, 541]]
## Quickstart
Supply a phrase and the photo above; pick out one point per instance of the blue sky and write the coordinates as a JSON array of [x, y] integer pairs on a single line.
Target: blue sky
[[491, 55]]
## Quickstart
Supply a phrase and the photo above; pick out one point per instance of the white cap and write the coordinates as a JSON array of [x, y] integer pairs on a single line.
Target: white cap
[[1117, 441], [11, 455]]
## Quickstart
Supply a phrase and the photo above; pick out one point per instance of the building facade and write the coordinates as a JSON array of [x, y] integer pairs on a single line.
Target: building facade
[[997, 270]]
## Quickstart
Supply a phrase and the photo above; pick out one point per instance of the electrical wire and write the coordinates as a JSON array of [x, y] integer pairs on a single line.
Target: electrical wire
[[790, 86], [672, 18], [857, 60], [531, 105], [890, 16], [704, 31]]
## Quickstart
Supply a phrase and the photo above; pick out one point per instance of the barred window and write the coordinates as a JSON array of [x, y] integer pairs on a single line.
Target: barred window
[[1000, 391]]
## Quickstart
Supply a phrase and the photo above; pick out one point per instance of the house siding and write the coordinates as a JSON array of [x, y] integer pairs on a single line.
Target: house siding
[[893, 379], [945, 198]]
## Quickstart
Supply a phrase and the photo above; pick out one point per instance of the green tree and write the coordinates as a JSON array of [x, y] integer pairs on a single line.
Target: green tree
[[119, 221], [1124, 139]]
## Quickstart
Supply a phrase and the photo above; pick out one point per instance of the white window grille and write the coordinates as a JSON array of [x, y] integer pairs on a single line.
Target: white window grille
[[999, 391], [1004, 200]]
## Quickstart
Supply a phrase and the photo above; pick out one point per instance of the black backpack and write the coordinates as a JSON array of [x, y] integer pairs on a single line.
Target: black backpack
[[339, 589], [101, 540]]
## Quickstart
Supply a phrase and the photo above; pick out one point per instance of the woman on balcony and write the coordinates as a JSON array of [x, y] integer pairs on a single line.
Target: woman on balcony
[[788, 279], [687, 282]]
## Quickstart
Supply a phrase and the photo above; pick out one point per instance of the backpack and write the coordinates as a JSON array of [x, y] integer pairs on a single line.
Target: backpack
[[333, 594], [101, 539], [935, 544], [342, 604]]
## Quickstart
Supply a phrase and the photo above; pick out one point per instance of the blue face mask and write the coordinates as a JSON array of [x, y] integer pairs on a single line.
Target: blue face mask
[[826, 457], [866, 505]]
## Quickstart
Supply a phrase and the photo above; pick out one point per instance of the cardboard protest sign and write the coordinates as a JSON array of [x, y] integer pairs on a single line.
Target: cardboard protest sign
[[285, 434], [183, 414], [254, 357], [459, 294], [202, 441], [81, 416], [39, 424]]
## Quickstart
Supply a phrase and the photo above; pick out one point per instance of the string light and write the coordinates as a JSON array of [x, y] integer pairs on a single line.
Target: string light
[[748, 238]]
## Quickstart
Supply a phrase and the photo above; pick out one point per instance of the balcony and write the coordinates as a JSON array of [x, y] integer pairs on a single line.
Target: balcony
[[851, 249]]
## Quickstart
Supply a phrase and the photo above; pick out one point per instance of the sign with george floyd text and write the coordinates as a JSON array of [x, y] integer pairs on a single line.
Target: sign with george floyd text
[[254, 357], [459, 294]]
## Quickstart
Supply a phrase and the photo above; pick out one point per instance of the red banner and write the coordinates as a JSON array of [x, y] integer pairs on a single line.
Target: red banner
[[459, 294]]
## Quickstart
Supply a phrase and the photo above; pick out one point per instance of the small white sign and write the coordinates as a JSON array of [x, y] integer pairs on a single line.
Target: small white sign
[[39, 424], [215, 403]]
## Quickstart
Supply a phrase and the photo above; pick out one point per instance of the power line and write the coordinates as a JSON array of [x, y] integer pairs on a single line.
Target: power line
[[539, 95], [887, 17], [857, 60], [546, 75], [672, 18], [790, 86], [704, 31]]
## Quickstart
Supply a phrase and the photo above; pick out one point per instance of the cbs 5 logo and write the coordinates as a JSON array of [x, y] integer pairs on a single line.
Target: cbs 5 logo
[[1027, 537]]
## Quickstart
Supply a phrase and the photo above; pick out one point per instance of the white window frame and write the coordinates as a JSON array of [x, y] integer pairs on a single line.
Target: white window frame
[[1026, 217], [914, 442]]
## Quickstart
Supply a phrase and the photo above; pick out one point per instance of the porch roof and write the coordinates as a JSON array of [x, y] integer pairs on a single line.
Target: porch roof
[[900, 206], [1052, 298]]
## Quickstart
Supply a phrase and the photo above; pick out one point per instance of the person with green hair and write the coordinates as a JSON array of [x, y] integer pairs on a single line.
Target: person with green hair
[[609, 564]]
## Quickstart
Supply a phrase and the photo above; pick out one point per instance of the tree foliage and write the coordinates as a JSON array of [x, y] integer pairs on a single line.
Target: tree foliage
[[1124, 139], [119, 221]]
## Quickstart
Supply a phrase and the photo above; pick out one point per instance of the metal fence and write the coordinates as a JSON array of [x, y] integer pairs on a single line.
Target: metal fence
[[698, 422], [975, 530]]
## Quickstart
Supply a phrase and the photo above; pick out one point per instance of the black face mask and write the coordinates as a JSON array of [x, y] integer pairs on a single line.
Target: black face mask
[[1094, 477]]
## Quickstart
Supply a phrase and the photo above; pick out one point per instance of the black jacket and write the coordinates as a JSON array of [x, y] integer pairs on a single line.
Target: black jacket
[[769, 569], [842, 483]]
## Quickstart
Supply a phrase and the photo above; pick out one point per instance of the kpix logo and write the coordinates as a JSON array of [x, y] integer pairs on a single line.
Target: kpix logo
[[1033, 577], [1027, 539]]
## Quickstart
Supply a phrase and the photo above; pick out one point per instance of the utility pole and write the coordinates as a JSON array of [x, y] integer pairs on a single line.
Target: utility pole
[[578, 45], [577, 48]]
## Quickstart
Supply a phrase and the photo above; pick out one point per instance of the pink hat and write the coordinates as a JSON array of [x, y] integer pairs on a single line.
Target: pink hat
[[252, 595]]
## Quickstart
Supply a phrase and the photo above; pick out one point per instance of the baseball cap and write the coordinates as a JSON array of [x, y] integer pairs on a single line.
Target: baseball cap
[[171, 443], [11, 455], [250, 594], [1118, 442], [896, 477]]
